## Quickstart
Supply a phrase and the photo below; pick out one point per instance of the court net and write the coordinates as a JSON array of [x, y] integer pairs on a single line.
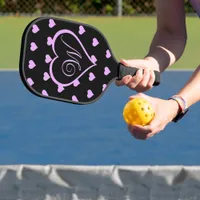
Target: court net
[[58, 182]]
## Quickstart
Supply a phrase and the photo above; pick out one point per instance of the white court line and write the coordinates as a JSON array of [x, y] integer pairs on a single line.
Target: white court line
[[179, 70], [8, 70]]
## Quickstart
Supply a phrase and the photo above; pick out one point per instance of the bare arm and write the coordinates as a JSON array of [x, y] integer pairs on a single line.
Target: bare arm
[[166, 48], [169, 40]]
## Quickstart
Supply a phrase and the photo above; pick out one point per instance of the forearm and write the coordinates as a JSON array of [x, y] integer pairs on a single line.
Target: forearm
[[169, 40], [166, 48], [191, 91]]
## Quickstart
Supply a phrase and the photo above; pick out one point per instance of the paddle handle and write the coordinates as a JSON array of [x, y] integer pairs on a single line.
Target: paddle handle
[[124, 71]]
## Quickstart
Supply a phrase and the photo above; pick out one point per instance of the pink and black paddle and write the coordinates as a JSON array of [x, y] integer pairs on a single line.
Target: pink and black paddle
[[68, 61]]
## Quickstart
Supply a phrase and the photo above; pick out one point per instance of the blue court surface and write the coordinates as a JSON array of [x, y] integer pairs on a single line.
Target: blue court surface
[[40, 131]]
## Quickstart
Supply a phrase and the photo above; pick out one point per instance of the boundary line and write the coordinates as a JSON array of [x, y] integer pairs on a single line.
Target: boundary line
[[181, 70], [8, 70]]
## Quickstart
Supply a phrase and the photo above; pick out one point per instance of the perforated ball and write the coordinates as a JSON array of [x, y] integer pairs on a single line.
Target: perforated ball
[[138, 111]]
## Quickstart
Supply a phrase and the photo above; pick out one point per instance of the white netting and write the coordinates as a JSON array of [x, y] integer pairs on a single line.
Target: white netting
[[23, 182]]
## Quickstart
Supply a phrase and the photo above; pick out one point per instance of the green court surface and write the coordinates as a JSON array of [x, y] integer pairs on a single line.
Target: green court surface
[[129, 38]]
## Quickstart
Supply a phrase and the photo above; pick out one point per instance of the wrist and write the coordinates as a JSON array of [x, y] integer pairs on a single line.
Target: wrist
[[175, 108], [182, 107], [153, 63]]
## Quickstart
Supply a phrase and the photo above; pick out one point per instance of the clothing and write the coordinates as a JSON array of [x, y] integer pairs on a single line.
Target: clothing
[[196, 6]]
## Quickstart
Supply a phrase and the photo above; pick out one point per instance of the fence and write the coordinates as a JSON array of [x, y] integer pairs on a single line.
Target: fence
[[81, 7]]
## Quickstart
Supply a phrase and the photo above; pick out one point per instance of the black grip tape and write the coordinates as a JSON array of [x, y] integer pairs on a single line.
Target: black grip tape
[[124, 71]]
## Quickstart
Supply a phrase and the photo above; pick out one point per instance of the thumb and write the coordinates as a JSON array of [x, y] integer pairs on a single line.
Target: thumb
[[132, 63], [153, 127], [125, 62]]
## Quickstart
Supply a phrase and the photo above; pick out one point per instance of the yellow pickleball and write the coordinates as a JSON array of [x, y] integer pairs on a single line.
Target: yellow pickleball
[[138, 111]]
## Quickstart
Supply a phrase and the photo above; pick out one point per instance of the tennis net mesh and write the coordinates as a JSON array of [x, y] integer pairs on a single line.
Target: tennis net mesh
[[51, 182]]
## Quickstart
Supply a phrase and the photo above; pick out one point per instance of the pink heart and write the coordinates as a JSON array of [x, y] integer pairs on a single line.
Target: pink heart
[[108, 54], [90, 94], [104, 87], [60, 89], [44, 92], [30, 81], [76, 83], [106, 71], [31, 64], [49, 41], [95, 42], [46, 76], [91, 76], [81, 30], [51, 23], [48, 58], [33, 46], [35, 28], [74, 98], [93, 59]]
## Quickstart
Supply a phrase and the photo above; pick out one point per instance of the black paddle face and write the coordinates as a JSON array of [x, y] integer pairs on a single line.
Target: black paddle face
[[66, 61]]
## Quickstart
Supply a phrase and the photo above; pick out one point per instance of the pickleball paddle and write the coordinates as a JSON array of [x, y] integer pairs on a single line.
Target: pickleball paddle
[[68, 61]]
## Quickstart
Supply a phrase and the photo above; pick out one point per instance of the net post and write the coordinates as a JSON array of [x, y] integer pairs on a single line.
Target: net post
[[119, 8]]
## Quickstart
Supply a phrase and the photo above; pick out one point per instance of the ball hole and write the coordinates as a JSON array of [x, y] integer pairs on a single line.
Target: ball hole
[[142, 109], [146, 115]]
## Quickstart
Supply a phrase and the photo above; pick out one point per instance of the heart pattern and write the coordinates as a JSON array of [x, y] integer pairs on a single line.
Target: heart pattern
[[48, 58], [106, 71], [104, 87], [93, 76], [46, 76], [35, 29], [44, 92], [33, 46], [49, 41], [81, 30], [108, 54], [60, 89], [95, 42], [76, 83], [90, 94], [74, 98], [30, 81], [31, 64], [51, 23]]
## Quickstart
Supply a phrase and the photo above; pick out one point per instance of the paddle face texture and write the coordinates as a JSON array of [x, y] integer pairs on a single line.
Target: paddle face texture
[[66, 61]]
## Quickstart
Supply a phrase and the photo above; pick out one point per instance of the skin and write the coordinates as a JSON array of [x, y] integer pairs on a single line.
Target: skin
[[167, 47]]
